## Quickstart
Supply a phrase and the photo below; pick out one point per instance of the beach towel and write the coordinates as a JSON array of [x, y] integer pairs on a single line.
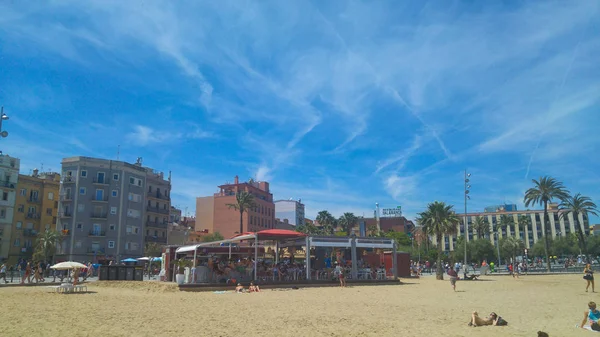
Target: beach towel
[[220, 292]]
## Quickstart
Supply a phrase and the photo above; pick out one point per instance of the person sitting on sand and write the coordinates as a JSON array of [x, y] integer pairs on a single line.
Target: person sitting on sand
[[253, 288], [593, 316], [543, 334], [493, 319], [239, 289]]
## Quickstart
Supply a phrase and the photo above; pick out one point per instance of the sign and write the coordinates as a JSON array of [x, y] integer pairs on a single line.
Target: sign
[[392, 212]]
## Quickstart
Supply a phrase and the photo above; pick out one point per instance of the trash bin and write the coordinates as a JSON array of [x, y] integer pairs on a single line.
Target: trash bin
[[129, 273], [102, 273], [112, 273], [139, 274], [122, 273]]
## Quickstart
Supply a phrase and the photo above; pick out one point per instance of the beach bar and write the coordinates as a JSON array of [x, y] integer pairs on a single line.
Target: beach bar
[[259, 257]]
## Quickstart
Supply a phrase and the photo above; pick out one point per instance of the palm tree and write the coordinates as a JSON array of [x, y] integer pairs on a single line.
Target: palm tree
[[576, 205], [347, 222], [545, 189], [438, 220], [326, 221], [523, 222], [46, 243], [506, 221], [243, 202], [513, 245], [481, 227]]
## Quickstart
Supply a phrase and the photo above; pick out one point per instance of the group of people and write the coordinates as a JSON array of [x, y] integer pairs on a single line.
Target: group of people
[[36, 272], [252, 288]]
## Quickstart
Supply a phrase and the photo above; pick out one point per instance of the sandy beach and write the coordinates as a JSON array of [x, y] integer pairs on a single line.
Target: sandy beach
[[419, 307]]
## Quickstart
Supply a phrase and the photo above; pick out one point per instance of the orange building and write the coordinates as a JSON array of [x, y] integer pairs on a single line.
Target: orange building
[[213, 214]]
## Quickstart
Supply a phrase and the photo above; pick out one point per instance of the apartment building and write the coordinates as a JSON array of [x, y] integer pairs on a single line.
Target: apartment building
[[291, 210], [213, 214], [36, 209], [101, 209], [158, 206], [559, 226], [9, 176]]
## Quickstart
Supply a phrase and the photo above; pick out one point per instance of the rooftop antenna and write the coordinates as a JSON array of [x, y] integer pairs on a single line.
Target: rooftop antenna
[[118, 151]]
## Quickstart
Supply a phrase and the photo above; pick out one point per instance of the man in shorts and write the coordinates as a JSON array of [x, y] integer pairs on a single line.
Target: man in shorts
[[453, 277]]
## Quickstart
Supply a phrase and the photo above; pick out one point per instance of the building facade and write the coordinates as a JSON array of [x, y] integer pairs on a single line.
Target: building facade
[[158, 206], [559, 226], [175, 215], [101, 210], [213, 214], [36, 209], [291, 210], [9, 177]]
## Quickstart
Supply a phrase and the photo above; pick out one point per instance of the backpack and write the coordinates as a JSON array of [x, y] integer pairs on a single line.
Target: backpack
[[501, 322]]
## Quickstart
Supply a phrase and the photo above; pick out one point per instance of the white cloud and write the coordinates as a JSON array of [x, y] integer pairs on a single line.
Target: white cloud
[[144, 135]]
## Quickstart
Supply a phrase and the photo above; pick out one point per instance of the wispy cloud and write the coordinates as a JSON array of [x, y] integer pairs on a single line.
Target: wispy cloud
[[145, 135]]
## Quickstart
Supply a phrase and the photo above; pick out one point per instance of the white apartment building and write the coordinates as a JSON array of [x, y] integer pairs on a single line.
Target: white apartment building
[[9, 175], [291, 210]]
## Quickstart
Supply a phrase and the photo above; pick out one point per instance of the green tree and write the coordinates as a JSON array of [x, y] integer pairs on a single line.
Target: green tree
[[512, 246], [373, 231], [401, 238], [243, 202], [544, 191], [593, 245], [153, 249], [438, 220], [576, 205], [506, 221], [564, 246], [212, 237], [308, 228], [347, 222], [46, 243], [327, 222], [480, 250], [523, 222], [481, 227]]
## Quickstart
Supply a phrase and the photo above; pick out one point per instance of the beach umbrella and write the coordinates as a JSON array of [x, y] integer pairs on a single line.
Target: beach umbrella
[[156, 259], [129, 260], [68, 265], [143, 259]]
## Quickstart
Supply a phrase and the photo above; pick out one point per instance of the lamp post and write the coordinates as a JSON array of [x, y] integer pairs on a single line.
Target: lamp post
[[3, 117], [498, 247], [467, 197]]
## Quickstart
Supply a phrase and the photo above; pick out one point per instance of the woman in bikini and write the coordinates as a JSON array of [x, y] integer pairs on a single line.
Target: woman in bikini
[[492, 319], [589, 277]]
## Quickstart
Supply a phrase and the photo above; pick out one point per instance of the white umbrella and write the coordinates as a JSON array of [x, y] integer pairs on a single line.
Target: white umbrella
[[68, 265], [143, 259]]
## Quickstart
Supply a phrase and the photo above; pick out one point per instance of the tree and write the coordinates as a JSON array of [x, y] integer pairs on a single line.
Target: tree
[[506, 221], [243, 202], [480, 250], [212, 237], [481, 227], [576, 205], [401, 238], [438, 220], [523, 222], [347, 222], [308, 228], [153, 249], [511, 246], [544, 191], [46, 244], [373, 231], [326, 222]]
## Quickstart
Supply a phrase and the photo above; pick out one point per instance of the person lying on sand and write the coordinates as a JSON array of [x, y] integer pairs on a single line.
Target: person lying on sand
[[239, 288], [543, 334], [492, 319], [592, 315], [469, 277], [253, 288]]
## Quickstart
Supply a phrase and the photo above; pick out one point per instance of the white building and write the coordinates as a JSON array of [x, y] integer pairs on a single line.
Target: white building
[[9, 175], [559, 226], [291, 210]]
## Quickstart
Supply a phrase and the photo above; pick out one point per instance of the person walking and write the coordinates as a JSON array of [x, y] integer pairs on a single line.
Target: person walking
[[589, 277], [453, 277], [3, 273]]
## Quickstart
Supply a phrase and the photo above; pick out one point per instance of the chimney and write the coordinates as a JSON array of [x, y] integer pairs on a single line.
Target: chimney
[[35, 172], [236, 180]]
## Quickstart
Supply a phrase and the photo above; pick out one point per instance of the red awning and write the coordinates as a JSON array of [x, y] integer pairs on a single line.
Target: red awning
[[279, 234]]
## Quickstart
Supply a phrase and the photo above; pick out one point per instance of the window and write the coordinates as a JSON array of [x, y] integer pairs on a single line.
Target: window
[[50, 196], [133, 213], [82, 190], [132, 180], [48, 211], [4, 196], [23, 192], [100, 177], [47, 227], [78, 244], [111, 244], [19, 225], [2, 213], [134, 197], [139, 183], [79, 226], [17, 243], [116, 177], [31, 210], [83, 173], [136, 230], [115, 193], [113, 210], [80, 208], [21, 208], [111, 227], [128, 229]]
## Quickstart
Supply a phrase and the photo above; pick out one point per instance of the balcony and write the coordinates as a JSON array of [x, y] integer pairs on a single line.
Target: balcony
[[102, 181], [97, 233], [156, 224], [67, 197], [156, 239], [97, 199], [69, 180], [30, 232], [99, 215], [34, 200], [95, 250], [7, 184], [65, 214], [157, 210], [32, 215], [157, 195]]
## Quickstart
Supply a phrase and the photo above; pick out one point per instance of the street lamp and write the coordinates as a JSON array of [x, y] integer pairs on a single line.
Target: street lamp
[[467, 197], [3, 117]]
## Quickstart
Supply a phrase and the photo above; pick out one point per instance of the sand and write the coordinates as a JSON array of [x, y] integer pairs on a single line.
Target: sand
[[420, 307]]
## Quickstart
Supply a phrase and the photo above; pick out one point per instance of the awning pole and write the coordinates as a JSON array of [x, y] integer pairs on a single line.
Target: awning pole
[[195, 251], [230, 251], [276, 252], [255, 257], [308, 268]]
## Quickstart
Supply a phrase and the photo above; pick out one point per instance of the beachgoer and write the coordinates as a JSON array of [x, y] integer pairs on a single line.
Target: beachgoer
[[453, 276], [253, 288], [543, 334], [28, 272], [3, 273], [342, 277], [492, 265], [492, 319], [239, 288], [593, 316], [589, 277]]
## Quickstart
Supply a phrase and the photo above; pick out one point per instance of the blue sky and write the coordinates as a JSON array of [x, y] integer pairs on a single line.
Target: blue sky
[[340, 103]]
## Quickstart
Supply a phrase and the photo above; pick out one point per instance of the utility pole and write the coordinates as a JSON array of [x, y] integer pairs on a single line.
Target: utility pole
[[467, 197], [3, 117]]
